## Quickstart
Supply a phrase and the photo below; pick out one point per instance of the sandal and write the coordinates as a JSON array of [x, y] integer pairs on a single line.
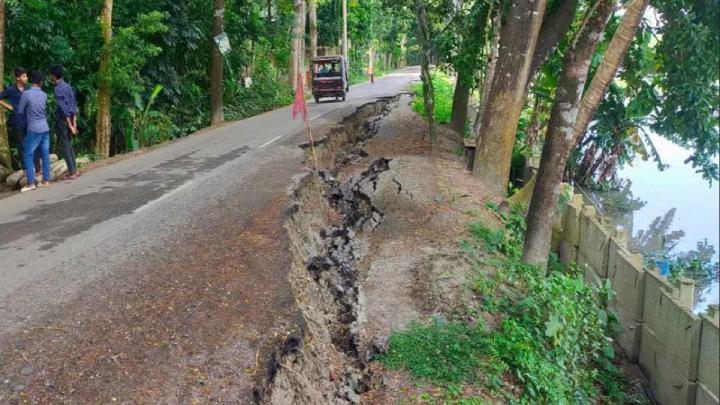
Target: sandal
[[29, 187]]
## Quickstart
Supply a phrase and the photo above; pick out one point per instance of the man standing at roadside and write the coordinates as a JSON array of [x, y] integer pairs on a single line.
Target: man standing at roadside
[[17, 121], [65, 118], [32, 106]]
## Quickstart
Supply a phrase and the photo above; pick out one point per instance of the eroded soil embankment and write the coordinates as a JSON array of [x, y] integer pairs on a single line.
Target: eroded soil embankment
[[321, 365], [373, 240]]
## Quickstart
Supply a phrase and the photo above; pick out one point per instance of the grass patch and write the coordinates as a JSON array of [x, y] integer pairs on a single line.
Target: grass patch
[[444, 90], [438, 351], [553, 340]]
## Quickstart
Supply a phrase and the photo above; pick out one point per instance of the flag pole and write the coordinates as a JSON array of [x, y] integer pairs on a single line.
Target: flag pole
[[312, 143], [299, 107]]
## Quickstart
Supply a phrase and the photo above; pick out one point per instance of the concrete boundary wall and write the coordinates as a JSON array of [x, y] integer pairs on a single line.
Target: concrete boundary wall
[[676, 350]]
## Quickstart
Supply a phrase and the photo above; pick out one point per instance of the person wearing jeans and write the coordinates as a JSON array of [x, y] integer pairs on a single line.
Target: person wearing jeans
[[65, 118], [16, 124], [33, 106], [33, 141]]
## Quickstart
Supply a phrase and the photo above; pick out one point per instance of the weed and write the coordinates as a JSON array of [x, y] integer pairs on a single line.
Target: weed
[[459, 150], [440, 351]]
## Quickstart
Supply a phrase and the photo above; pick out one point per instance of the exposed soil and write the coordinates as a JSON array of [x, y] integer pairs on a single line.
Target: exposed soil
[[374, 246]]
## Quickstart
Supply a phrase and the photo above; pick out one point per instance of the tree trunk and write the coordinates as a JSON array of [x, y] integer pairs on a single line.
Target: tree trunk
[[296, 47], [460, 104], [303, 51], [312, 20], [425, 47], [345, 32], [102, 118], [216, 66], [5, 156], [489, 73], [560, 140], [554, 28], [609, 64], [269, 14], [518, 37]]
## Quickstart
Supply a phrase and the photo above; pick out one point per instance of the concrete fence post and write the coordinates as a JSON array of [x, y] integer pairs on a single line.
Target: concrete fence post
[[686, 293]]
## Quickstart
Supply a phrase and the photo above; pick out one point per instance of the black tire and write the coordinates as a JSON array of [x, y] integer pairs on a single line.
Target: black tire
[[317, 99], [344, 95]]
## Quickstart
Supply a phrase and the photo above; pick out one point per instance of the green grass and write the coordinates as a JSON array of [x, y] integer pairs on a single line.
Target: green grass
[[444, 90], [445, 352]]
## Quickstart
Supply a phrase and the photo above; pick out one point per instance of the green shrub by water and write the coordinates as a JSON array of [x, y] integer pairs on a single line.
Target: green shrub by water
[[444, 90], [553, 340]]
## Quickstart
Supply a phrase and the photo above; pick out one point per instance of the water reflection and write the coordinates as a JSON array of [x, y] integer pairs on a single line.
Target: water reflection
[[673, 211]]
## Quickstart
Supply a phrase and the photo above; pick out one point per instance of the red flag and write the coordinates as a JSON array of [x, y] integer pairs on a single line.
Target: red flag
[[299, 106]]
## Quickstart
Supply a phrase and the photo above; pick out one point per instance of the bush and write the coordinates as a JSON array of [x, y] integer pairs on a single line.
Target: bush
[[265, 94], [444, 90]]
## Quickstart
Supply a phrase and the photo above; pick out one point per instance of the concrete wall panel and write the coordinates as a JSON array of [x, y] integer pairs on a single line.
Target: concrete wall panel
[[568, 253], [678, 331], [594, 242], [668, 384], [629, 341], [571, 221], [708, 371], [655, 285], [591, 275], [705, 397], [626, 274]]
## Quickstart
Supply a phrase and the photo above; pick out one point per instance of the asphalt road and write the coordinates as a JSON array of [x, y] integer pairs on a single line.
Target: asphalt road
[[158, 277]]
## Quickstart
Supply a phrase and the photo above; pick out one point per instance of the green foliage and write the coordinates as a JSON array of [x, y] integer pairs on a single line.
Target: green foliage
[[554, 336], [443, 97], [265, 94], [697, 265], [688, 56]]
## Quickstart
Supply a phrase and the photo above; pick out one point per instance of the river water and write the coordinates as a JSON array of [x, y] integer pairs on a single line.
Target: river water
[[679, 187]]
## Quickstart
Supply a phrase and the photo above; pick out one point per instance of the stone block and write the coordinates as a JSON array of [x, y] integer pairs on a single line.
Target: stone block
[[667, 383], [594, 241], [709, 357], [705, 396], [625, 272], [677, 330]]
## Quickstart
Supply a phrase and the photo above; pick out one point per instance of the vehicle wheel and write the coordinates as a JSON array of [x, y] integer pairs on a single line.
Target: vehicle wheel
[[317, 99], [343, 96]]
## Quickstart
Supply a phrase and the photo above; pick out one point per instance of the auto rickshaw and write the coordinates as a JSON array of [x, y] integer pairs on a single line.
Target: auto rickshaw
[[330, 77]]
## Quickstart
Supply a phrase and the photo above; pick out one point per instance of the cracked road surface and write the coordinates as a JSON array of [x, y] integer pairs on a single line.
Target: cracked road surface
[[161, 278]]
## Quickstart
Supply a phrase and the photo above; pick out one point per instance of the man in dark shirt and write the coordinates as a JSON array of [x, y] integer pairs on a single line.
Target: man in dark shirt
[[17, 121], [65, 118]]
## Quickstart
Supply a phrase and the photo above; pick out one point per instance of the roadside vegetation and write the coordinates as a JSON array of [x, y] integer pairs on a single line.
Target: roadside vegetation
[[531, 338], [443, 97], [161, 62]]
